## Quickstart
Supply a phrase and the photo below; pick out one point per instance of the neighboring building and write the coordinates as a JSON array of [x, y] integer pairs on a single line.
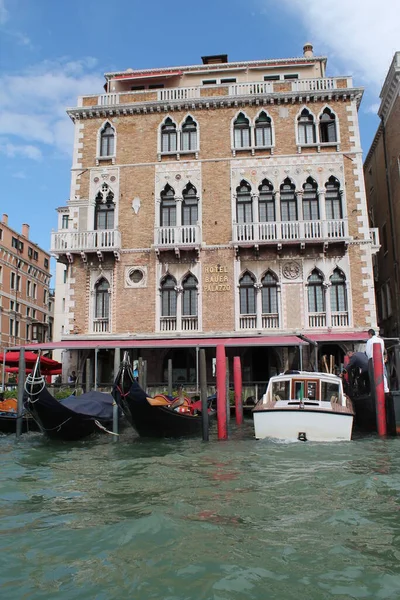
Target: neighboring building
[[25, 314], [221, 202], [382, 181]]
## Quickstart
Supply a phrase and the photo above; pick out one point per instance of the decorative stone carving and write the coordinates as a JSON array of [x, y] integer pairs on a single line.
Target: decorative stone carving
[[291, 270]]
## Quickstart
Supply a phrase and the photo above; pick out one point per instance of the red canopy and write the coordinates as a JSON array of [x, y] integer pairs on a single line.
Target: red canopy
[[12, 360], [44, 370]]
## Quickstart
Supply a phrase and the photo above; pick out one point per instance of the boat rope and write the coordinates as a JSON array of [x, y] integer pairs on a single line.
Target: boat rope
[[121, 392], [58, 427], [32, 381], [100, 426]]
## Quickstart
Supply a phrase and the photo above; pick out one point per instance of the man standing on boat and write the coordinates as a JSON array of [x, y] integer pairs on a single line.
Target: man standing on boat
[[374, 339]]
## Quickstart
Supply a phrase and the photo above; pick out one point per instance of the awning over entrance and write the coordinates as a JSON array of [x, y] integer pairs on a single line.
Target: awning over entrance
[[326, 338], [177, 342]]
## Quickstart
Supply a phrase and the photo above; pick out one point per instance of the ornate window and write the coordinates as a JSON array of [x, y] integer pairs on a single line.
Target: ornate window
[[306, 128], [247, 295], [168, 297], [288, 201], [269, 294], [168, 207], [266, 202], [327, 126], [102, 299], [107, 140], [333, 199], [244, 211], [189, 296], [263, 130], [316, 295], [190, 205], [168, 136], [104, 209], [338, 291], [310, 200], [189, 135], [241, 132]]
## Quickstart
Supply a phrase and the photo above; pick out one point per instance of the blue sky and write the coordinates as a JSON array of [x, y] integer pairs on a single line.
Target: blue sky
[[51, 51]]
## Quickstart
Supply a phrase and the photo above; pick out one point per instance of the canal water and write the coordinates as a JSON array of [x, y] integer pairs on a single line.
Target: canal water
[[186, 520]]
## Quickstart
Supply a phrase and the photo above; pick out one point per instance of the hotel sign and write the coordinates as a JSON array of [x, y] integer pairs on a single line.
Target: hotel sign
[[216, 279]]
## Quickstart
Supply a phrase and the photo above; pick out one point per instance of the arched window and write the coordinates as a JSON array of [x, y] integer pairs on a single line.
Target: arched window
[[190, 205], [241, 131], [189, 135], [189, 299], [310, 200], [266, 202], [168, 297], [333, 200], [269, 293], [102, 295], [168, 136], [107, 140], [168, 207], [247, 295], [288, 201], [306, 127], [338, 291], [104, 209], [316, 296], [263, 130], [244, 211], [327, 126]]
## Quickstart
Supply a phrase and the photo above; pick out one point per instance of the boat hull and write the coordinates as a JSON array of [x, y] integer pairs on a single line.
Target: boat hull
[[8, 423], [59, 422], [155, 421], [303, 424]]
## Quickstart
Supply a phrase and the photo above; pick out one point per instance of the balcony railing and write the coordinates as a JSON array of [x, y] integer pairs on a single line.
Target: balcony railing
[[316, 320], [101, 325], [374, 235], [168, 324], [85, 241], [340, 319], [323, 84], [185, 235], [290, 231], [190, 323], [268, 321]]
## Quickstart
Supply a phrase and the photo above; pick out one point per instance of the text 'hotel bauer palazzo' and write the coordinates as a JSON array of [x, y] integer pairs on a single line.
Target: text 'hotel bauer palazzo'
[[221, 202]]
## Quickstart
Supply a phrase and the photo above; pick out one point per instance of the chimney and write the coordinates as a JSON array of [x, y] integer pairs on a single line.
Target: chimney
[[25, 231], [308, 50], [4, 219]]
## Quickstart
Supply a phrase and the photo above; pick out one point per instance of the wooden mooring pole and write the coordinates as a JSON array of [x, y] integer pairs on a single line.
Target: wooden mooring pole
[[237, 382], [203, 395], [379, 389], [221, 393], [20, 397], [117, 362]]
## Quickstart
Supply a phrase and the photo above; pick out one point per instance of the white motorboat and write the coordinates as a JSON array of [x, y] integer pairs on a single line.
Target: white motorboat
[[301, 405]]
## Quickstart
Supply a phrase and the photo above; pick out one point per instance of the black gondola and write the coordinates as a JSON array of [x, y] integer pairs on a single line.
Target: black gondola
[[72, 418], [154, 417]]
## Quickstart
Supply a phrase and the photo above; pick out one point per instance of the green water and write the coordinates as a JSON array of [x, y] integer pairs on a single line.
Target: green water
[[184, 520]]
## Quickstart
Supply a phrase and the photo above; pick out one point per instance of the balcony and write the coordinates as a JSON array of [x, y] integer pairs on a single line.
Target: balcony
[[249, 234], [67, 243], [101, 325], [183, 94], [185, 237], [187, 323], [268, 321]]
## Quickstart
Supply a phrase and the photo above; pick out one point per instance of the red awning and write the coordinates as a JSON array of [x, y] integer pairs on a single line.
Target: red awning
[[348, 336], [176, 342], [44, 370], [12, 359]]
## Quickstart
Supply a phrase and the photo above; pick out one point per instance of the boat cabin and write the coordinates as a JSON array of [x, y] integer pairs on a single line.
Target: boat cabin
[[306, 388]]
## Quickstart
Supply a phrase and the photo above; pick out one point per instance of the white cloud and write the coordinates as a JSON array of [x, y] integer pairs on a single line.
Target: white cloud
[[33, 102], [362, 35], [3, 12], [25, 151]]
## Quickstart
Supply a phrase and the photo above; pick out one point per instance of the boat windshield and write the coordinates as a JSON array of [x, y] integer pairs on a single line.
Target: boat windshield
[[281, 390], [329, 391]]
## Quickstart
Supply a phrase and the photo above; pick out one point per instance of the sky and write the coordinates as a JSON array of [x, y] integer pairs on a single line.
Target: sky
[[52, 51]]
